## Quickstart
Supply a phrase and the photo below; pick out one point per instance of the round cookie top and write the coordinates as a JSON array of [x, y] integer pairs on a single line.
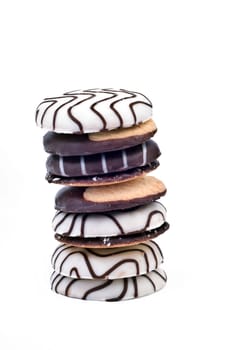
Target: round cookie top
[[110, 224], [93, 110], [111, 263]]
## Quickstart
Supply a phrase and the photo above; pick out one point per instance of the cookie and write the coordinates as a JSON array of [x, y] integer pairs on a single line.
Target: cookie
[[93, 110], [113, 241], [110, 290], [103, 163], [120, 196], [104, 179], [109, 263], [82, 145], [109, 224], [81, 170]]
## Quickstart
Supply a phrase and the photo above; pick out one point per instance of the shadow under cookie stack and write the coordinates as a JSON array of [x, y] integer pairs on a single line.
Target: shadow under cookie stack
[[100, 147]]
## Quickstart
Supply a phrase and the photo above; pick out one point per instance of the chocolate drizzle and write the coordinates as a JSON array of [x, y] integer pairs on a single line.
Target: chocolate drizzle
[[160, 251], [117, 223], [92, 107], [154, 255], [72, 225], [154, 212], [57, 285], [84, 218], [110, 290], [103, 275], [92, 94], [57, 110], [62, 220], [131, 255], [123, 292], [150, 280], [45, 111], [66, 292], [75, 120], [68, 229], [60, 251], [55, 279], [75, 270], [164, 278], [132, 95], [134, 280], [95, 289]]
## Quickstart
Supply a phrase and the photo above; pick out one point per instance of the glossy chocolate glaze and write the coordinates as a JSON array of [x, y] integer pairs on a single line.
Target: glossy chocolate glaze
[[110, 162], [77, 145], [71, 200]]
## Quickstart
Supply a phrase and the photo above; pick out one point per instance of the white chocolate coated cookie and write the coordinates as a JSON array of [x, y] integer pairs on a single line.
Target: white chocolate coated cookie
[[93, 110], [109, 290], [111, 263], [135, 220]]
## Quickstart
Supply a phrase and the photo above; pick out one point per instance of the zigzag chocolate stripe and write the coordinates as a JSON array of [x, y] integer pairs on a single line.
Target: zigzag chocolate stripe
[[103, 163], [110, 290], [93, 110], [109, 263], [114, 223]]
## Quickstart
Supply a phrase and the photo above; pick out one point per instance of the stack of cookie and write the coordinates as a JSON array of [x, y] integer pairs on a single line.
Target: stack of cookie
[[101, 150]]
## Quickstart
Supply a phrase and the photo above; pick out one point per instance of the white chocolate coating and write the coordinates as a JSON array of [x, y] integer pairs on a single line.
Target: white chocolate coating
[[111, 263], [110, 290], [139, 219], [93, 110]]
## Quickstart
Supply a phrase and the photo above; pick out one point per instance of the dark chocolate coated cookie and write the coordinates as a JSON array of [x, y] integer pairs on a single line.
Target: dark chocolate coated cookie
[[78, 145], [103, 163], [111, 197], [104, 179]]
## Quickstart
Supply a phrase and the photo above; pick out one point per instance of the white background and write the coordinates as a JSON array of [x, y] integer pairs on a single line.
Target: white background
[[179, 54]]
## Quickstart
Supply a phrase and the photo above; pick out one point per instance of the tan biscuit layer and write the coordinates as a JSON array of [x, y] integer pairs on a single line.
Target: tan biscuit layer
[[141, 129], [138, 188]]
